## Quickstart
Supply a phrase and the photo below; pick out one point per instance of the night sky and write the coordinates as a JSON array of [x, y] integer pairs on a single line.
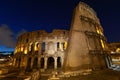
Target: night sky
[[19, 16]]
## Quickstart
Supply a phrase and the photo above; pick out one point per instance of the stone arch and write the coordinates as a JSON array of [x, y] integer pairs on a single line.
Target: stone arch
[[42, 63], [50, 63], [36, 46], [58, 62], [35, 62]]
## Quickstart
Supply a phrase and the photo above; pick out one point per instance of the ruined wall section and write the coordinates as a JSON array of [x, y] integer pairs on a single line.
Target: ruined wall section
[[26, 39], [86, 38], [37, 45]]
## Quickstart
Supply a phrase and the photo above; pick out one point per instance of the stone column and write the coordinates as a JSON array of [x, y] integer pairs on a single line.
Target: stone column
[[21, 62], [26, 62], [39, 49], [61, 61], [55, 44], [45, 62], [32, 60], [14, 60], [61, 46], [55, 62], [46, 46], [38, 62]]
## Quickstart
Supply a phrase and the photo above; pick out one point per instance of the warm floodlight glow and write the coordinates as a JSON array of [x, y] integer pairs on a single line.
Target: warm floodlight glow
[[60, 46], [21, 49], [99, 31], [36, 46], [25, 51], [118, 50], [102, 43], [30, 46], [65, 45]]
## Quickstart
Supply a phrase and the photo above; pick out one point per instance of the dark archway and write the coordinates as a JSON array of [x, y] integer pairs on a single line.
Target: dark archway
[[43, 47], [16, 62], [19, 61], [58, 44], [58, 62], [28, 64], [35, 63], [50, 63], [42, 63]]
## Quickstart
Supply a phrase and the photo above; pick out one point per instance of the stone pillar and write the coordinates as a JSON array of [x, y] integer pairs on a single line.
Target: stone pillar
[[21, 62], [39, 49], [32, 60], [14, 60], [38, 62], [55, 44], [45, 64], [26, 62], [61, 61], [55, 62], [46, 46], [61, 46]]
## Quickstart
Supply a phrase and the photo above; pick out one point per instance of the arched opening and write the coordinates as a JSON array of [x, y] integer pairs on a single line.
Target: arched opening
[[58, 44], [19, 61], [35, 63], [28, 64], [58, 62], [43, 47], [42, 63], [50, 63], [36, 47]]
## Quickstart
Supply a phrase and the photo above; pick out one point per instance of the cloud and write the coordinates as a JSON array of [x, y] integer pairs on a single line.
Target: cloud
[[6, 36], [21, 32]]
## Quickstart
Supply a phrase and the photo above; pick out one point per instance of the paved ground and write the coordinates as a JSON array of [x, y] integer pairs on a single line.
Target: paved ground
[[100, 75], [97, 75]]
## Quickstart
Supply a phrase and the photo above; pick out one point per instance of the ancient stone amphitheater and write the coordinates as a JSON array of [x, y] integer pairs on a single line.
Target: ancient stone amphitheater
[[73, 52], [41, 50]]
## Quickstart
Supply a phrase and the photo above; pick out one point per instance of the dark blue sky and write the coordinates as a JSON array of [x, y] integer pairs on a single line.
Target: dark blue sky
[[18, 16]]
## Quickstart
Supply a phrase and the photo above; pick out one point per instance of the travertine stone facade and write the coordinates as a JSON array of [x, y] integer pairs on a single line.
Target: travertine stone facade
[[87, 45], [41, 50], [86, 49]]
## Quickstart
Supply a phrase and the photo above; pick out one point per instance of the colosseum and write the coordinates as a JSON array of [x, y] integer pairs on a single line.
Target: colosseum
[[41, 50], [84, 47]]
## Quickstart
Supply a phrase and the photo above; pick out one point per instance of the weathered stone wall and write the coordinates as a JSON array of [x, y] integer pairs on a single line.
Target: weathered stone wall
[[87, 44], [35, 49]]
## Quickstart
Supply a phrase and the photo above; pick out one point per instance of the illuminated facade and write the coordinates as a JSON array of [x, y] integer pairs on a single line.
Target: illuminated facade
[[83, 48], [41, 50]]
